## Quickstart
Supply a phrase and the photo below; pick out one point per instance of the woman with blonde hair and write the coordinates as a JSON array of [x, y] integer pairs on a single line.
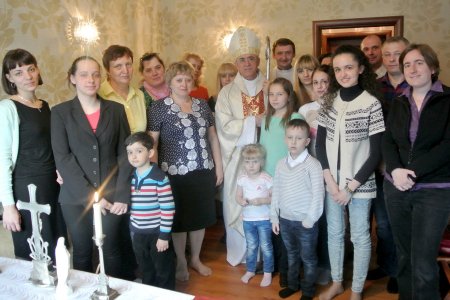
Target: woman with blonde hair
[[225, 75], [187, 149], [304, 68]]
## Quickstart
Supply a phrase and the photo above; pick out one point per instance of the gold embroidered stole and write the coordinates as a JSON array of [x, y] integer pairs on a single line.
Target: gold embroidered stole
[[253, 106]]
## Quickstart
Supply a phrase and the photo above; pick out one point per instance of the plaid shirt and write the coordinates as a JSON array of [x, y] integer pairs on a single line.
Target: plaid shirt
[[389, 92]]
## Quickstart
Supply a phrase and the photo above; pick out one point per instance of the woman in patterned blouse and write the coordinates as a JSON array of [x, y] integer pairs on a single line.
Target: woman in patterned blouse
[[188, 150]]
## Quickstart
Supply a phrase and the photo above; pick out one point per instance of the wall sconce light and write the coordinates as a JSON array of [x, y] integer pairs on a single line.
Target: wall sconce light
[[82, 31], [226, 39]]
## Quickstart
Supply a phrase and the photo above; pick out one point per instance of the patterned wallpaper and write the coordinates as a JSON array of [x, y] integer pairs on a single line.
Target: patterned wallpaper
[[198, 25], [40, 27], [172, 27]]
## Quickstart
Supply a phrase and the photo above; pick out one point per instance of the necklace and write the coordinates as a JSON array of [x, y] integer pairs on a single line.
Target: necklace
[[33, 103]]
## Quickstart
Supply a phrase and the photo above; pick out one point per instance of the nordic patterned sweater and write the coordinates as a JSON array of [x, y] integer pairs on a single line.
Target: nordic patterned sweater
[[298, 193], [152, 205]]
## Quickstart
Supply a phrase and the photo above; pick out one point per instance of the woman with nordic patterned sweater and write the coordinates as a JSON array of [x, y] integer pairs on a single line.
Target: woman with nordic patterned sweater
[[348, 147]]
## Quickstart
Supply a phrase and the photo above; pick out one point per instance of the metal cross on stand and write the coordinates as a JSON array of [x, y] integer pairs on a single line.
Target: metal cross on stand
[[41, 275]]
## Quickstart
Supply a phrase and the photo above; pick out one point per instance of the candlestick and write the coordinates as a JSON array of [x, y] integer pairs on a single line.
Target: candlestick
[[97, 218], [103, 291]]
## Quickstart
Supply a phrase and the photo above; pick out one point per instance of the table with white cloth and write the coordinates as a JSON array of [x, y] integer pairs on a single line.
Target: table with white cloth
[[15, 284]]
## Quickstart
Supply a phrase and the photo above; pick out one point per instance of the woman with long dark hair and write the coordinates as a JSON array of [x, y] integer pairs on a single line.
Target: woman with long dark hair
[[349, 149]]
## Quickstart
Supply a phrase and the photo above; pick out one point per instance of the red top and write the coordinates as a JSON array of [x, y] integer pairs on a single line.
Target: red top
[[200, 93]]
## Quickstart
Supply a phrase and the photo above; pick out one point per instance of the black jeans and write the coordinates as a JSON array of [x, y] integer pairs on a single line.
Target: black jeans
[[79, 221], [158, 268], [386, 254], [418, 220]]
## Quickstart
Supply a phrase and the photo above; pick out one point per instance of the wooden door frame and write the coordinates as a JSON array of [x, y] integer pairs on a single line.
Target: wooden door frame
[[351, 24]]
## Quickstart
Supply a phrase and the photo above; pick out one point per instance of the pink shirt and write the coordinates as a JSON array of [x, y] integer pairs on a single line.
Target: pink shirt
[[93, 119]]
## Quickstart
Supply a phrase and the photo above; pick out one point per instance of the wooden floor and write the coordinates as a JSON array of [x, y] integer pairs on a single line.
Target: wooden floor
[[225, 282]]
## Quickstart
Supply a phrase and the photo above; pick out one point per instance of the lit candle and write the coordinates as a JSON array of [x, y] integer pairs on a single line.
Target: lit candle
[[97, 218]]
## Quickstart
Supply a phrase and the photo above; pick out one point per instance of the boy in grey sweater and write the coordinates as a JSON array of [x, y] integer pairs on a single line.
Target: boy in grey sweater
[[297, 204]]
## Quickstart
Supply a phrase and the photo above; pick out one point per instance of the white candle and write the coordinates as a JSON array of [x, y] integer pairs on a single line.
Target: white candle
[[97, 218]]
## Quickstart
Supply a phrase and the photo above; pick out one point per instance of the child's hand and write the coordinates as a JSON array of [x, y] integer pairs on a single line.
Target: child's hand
[[307, 224], [276, 228], [253, 201], [243, 202], [162, 245], [118, 208]]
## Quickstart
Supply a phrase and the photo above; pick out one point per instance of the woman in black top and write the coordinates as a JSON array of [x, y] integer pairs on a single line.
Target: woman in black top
[[416, 149], [25, 153]]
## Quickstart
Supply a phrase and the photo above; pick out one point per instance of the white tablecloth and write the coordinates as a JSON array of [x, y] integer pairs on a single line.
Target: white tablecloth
[[14, 284]]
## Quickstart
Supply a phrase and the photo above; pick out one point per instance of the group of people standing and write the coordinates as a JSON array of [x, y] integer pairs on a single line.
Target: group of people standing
[[368, 133], [82, 145], [250, 137]]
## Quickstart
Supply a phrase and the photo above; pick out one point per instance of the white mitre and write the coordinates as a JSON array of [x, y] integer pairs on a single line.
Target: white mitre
[[244, 41]]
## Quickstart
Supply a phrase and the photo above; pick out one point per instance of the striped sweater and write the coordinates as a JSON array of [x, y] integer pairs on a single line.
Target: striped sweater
[[298, 193], [152, 205]]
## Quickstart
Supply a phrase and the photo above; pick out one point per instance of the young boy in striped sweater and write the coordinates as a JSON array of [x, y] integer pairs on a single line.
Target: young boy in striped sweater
[[152, 211], [297, 204]]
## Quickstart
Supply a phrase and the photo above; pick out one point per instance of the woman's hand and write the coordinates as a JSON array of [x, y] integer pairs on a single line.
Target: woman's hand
[[342, 197], [331, 185], [105, 205], [402, 180], [59, 178], [118, 208], [11, 218], [219, 176]]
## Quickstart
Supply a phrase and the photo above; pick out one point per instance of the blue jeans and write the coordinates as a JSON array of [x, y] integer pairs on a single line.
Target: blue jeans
[[418, 220], [386, 254], [259, 233], [300, 242], [359, 234]]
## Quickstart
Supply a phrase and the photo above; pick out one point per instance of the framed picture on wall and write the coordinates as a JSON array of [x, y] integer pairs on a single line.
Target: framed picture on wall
[[329, 34]]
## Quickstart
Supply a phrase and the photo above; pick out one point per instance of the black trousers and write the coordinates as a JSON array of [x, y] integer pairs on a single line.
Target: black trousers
[[79, 220], [418, 220], [158, 268]]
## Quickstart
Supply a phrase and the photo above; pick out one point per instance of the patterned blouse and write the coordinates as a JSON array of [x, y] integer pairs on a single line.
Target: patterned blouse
[[183, 137]]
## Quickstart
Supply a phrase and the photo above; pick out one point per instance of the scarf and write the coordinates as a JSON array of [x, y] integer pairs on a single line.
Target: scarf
[[160, 93]]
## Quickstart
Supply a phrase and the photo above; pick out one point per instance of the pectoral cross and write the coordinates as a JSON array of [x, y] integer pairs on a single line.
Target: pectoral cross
[[39, 247]]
